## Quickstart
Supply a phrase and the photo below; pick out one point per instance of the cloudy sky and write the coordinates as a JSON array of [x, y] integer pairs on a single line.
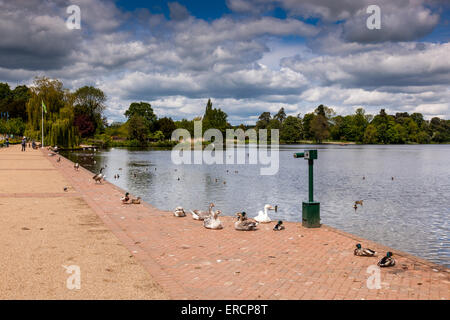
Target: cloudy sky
[[248, 56]]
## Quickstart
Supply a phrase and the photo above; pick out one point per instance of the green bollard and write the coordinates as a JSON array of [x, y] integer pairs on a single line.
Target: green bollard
[[310, 209]]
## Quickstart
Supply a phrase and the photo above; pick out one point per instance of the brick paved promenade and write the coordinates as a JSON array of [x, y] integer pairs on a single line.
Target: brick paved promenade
[[191, 262]]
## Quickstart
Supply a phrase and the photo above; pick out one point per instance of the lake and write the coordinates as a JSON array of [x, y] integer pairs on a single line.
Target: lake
[[409, 213]]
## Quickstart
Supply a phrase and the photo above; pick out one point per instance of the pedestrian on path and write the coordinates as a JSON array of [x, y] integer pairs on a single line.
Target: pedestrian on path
[[24, 143]]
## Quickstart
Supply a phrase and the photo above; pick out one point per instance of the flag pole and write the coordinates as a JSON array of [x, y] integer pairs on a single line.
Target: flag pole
[[42, 126]]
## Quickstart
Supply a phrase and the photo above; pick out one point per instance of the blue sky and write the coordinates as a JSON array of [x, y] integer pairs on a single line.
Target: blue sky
[[248, 56], [207, 10]]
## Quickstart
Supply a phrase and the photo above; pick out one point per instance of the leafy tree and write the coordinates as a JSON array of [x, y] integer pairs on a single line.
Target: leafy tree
[[418, 119], [116, 129], [214, 118], [307, 126], [137, 128], [14, 126], [325, 111], [166, 126], [158, 136], [18, 105], [370, 134], [59, 128], [280, 116], [359, 125], [263, 120], [319, 128], [90, 101], [85, 125], [291, 130], [14, 101], [144, 110]]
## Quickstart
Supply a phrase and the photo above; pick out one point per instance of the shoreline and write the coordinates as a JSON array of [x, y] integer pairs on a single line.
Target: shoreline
[[345, 233], [178, 257], [147, 219]]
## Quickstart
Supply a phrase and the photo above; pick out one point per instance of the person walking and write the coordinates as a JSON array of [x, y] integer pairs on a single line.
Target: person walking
[[7, 142], [24, 143]]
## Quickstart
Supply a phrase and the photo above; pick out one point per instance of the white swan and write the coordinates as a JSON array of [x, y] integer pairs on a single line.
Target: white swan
[[213, 221], [263, 217]]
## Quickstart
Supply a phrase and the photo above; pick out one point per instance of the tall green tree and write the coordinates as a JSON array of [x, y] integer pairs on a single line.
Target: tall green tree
[[320, 128], [89, 105], [214, 118], [166, 126], [138, 128], [291, 130], [58, 125], [307, 126], [280, 116], [263, 120], [144, 110]]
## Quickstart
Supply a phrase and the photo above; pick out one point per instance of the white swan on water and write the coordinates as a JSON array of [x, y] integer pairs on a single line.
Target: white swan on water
[[263, 217]]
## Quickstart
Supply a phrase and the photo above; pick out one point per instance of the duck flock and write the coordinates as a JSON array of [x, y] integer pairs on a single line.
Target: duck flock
[[211, 219]]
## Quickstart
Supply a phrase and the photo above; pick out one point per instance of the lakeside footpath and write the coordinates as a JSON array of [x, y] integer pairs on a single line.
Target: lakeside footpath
[[140, 252]]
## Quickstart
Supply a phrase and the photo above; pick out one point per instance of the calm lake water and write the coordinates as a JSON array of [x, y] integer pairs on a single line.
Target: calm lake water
[[410, 213]]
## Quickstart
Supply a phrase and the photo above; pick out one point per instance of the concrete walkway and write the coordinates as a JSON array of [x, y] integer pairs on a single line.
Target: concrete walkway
[[191, 262], [43, 229]]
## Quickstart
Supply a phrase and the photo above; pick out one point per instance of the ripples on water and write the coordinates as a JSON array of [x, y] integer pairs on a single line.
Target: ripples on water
[[410, 213]]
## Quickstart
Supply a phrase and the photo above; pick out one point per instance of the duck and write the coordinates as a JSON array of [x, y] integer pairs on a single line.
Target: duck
[[179, 212], [364, 252], [126, 198], [244, 214], [244, 224], [98, 177], [213, 222], [136, 201], [202, 215], [387, 261], [263, 217], [279, 226], [76, 166]]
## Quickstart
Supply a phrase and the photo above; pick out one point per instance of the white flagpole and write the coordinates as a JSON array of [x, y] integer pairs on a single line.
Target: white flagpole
[[42, 108]]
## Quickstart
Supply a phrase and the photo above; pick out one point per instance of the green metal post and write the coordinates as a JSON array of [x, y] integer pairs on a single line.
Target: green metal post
[[311, 179], [310, 209]]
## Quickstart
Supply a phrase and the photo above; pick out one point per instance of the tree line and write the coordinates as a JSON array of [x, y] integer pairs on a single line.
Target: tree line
[[78, 117]]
